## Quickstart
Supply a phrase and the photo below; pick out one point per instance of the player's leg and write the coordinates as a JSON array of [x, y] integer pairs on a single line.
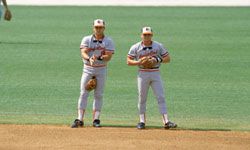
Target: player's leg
[[82, 101], [157, 86], [98, 97], [143, 86]]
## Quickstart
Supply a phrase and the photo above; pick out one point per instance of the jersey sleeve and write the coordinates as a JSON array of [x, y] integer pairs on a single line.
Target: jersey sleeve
[[163, 51], [84, 43], [132, 52], [110, 46]]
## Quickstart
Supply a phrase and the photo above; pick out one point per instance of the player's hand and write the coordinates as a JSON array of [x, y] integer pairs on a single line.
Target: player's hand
[[153, 60], [139, 62], [92, 60], [7, 15]]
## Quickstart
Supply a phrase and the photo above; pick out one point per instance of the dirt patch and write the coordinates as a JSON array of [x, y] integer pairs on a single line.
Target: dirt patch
[[63, 137]]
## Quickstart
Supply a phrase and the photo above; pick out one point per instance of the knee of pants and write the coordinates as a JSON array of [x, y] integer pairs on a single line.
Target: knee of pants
[[161, 100], [98, 96], [82, 103], [84, 94]]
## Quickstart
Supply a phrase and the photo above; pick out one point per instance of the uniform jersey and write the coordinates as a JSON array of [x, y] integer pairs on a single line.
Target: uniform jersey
[[97, 47], [138, 51]]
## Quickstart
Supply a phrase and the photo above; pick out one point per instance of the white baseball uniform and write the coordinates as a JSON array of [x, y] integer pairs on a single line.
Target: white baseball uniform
[[98, 69], [149, 77]]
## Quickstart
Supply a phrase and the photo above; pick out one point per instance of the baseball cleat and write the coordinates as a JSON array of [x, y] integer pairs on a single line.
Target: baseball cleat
[[169, 125], [96, 123], [141, 125], [77, 123]]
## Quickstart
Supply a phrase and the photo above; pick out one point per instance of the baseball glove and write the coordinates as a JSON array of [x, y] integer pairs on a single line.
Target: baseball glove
[[7, 15], [148, 62], [91, 84]]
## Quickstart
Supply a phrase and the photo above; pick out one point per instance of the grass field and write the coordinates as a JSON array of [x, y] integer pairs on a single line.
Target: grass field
[[207, 83]]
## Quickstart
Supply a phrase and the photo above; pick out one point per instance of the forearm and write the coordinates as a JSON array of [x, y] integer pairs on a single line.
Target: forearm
[[106, 56], [132, 62], [5, 4], [84, 54], [166, 59]]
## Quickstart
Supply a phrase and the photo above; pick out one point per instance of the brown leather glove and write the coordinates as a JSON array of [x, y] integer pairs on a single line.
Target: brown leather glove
[[7, 15], [148, 62], [91, 84]]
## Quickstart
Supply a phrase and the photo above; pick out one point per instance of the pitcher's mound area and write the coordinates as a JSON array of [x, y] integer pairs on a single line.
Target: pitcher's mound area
[[113, 138]]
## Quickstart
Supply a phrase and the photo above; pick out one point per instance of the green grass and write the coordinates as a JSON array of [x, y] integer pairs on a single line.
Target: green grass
[[207, 82]]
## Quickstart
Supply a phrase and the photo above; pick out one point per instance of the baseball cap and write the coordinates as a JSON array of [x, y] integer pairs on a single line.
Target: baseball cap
[[99, 23], [147, 30]]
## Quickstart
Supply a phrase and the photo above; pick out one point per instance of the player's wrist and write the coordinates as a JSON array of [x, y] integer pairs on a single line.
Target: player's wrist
[[138, 62], [158, 59]]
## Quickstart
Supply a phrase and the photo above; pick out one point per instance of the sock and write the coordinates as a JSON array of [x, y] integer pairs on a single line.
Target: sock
[[96, 114], [80, 114], [142, 118], [165, 118]]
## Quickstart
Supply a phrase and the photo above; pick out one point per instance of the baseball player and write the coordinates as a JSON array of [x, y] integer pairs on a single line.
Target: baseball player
[[7, 14], [149, 76], [96, 50]]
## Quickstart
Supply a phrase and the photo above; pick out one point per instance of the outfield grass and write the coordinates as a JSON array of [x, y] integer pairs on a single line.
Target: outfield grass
[[207, 83]]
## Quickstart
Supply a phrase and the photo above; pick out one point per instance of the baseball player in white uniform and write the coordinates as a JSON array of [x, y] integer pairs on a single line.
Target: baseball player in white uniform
[[96, 50], [150, 77]]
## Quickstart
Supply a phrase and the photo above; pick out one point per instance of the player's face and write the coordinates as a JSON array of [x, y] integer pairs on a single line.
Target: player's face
[[146, 37], [99, 30]]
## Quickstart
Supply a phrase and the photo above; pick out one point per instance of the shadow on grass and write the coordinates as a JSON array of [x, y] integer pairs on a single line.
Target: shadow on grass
[[161, 127]]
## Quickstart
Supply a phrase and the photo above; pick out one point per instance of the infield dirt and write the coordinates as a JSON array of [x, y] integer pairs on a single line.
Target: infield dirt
[[64, 137]]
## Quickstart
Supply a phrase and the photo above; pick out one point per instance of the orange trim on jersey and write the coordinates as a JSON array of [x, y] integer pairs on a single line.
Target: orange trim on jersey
[[149, 70], [165, 55], [88, 49], [94, 66], [148, 54], [130, 56], [109, 50]]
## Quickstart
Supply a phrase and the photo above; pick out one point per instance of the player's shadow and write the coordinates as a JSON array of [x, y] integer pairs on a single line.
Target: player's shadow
[[131, 126], [160, 127], [202, 129]]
